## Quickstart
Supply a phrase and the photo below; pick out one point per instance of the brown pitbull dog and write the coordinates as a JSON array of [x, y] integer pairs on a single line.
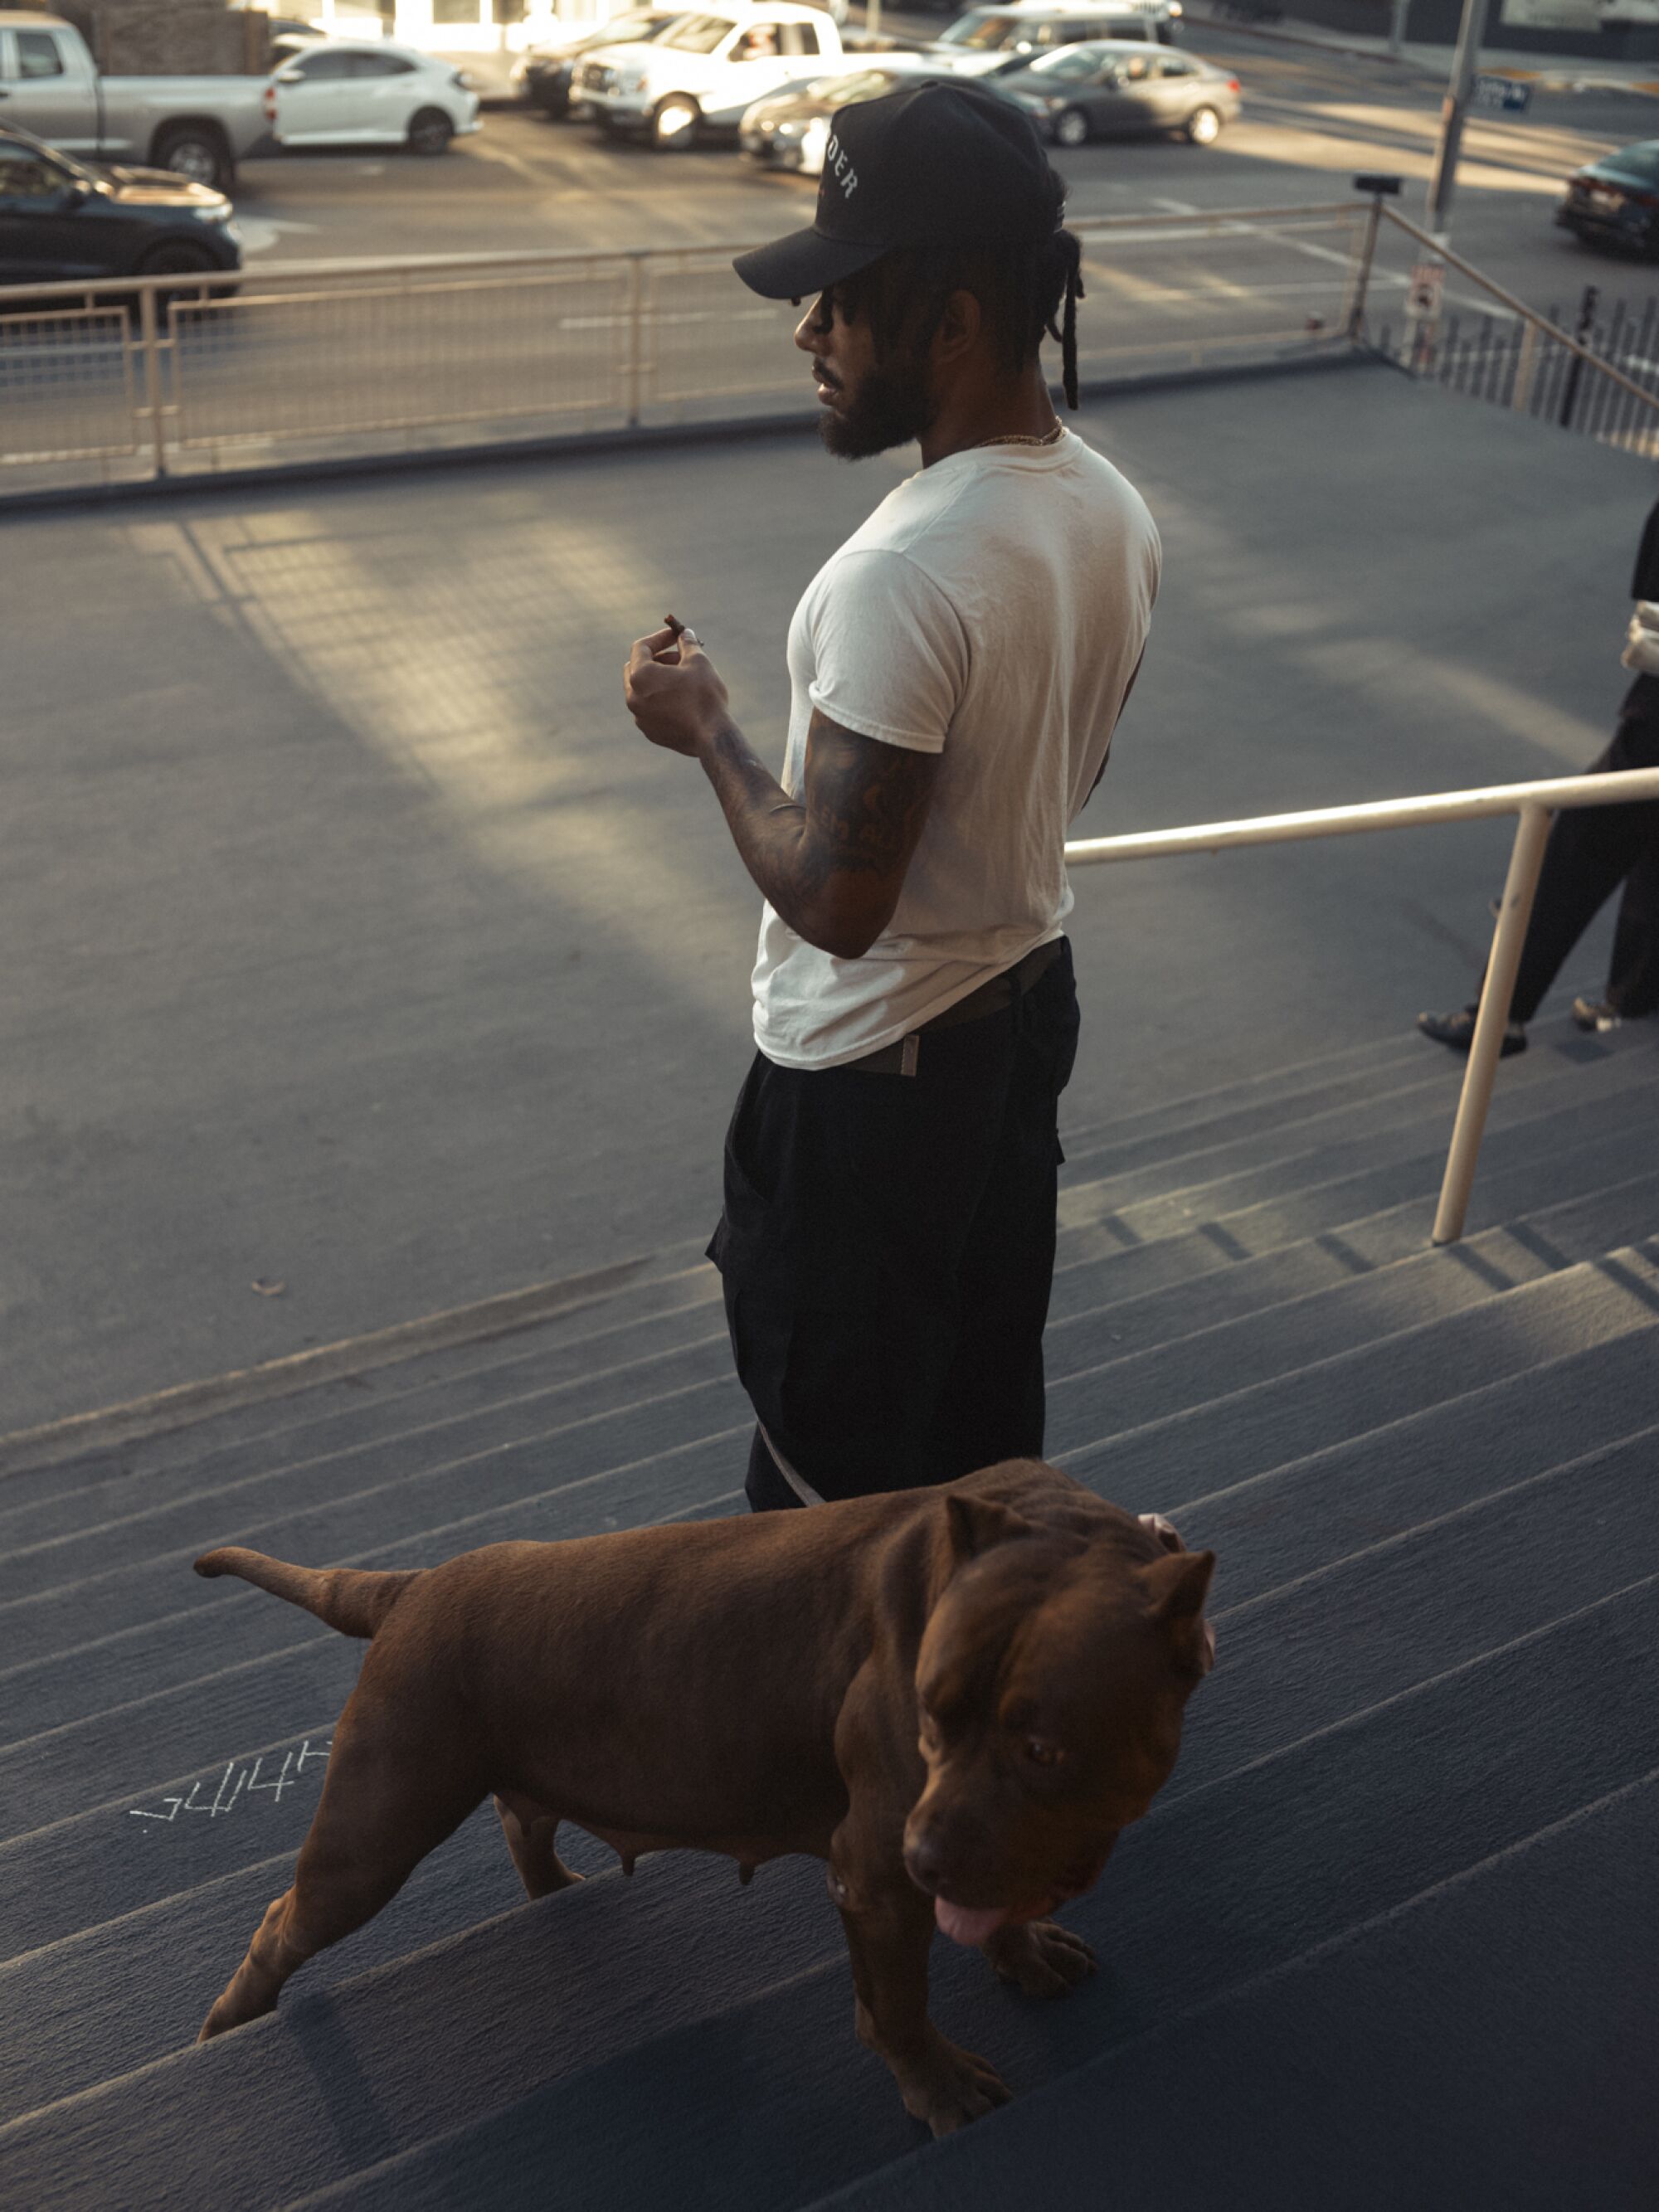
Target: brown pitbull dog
[[958, 1697]]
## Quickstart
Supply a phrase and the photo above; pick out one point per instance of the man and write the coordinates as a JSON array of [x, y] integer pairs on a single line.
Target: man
[[1591, 852], [887, 1238]]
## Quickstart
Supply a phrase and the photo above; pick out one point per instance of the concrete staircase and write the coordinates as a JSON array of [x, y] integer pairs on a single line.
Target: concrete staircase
[[1388, 1937]]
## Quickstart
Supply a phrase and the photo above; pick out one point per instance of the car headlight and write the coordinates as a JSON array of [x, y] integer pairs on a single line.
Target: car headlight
[[222, 213], [789, 128]]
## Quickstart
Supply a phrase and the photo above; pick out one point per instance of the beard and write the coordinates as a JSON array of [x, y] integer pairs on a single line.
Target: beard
[[890, 407]]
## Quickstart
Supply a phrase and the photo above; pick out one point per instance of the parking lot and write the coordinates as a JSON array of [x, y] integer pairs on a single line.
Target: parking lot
[[1311, 121]]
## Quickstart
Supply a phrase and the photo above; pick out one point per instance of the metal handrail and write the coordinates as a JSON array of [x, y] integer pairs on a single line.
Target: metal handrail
[[1531, 802], [1520, 309]]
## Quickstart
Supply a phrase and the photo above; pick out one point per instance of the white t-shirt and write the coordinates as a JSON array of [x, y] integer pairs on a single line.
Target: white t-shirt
[[993, 609]]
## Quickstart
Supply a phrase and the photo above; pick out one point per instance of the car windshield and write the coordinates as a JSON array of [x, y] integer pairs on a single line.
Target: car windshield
[[56, 155], [648, 30], [867, 84], [1640, 161], [1071, 65], [696, 34], [984, 28]]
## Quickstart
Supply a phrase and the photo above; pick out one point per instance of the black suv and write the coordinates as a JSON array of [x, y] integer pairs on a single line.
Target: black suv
[[60, 219]]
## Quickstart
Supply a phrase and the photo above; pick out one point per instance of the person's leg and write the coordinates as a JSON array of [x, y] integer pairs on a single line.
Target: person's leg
[[996, 1397], [1633, 971], [848, 1199], [1591, 849]]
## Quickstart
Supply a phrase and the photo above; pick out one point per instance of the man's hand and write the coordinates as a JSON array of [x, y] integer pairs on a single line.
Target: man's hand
[[673, 691], [832, 860]]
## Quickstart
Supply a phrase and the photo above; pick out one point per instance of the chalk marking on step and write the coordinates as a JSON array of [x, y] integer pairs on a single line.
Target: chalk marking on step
[[248, 1780]]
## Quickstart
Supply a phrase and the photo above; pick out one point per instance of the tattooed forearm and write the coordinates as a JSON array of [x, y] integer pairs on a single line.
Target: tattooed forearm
[[832, 862]]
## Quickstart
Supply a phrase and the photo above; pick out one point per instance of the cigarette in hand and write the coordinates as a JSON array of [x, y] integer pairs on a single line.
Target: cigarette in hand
[[679, 629]]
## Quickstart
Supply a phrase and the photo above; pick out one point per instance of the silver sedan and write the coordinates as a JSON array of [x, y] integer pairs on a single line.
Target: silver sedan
[[1114, 89]]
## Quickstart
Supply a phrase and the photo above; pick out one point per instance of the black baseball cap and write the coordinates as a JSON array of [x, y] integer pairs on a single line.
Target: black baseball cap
[[933, 164]]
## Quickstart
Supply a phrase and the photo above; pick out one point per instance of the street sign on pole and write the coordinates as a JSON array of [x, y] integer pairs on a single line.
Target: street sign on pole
[[1509, 95], [1423, 299]]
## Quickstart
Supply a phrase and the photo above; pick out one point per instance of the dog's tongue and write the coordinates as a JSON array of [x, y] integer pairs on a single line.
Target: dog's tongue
[[962, 1923]]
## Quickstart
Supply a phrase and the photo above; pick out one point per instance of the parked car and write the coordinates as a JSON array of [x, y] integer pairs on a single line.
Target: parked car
[[1615, 201], [985, 37], [543, 73], [196, 126], [347, 92], [1120, 90], [709, 68], [789, 129], [61, 218]]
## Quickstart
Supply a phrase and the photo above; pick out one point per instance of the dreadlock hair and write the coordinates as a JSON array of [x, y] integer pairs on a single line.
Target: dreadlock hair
[[1026, 292]]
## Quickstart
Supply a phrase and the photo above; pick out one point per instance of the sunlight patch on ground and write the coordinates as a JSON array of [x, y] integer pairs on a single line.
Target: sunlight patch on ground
[[446, 662]]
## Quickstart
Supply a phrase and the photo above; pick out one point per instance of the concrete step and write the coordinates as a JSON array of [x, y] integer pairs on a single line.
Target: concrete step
[[1297, 2088], [1529, 1163], [537, 1392], [424, 1480], [1261, 1426], [1146, 1202], [468, 1415], [1293, 1654], [1555, 1232], [662, 1316], [770, 2102], [1097, 1390]]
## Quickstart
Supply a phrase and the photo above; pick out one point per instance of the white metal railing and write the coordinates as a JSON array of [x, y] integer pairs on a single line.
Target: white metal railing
[[137, 378], [133, 379], [1531, 802]]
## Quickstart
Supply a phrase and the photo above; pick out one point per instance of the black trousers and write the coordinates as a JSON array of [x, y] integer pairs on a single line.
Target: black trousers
[[887, 1249], [1591, 851]]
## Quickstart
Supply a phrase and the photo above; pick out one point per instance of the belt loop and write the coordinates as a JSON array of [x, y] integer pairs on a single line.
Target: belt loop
[[911, 1053]]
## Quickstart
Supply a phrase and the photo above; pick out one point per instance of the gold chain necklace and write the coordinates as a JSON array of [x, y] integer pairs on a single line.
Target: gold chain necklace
[[1021, 438]]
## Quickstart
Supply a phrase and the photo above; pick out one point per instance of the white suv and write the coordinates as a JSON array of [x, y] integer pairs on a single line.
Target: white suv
[[709, 68]]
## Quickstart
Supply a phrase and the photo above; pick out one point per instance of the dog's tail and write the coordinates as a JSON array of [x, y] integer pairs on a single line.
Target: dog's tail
[[350, 1599]]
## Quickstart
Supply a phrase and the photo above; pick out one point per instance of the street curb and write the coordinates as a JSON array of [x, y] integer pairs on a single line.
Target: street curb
[[1546, 79], [160, 1412], [1295, 38]]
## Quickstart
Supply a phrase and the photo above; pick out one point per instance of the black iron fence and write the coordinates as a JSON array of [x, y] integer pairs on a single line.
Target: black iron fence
[[1515, 363]]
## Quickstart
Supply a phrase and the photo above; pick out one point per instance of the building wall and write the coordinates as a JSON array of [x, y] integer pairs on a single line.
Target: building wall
[[171, 38], [1511, 24]]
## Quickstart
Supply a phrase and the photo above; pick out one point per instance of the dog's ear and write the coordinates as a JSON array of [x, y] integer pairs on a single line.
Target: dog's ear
[[1177, 1586], [975, 1524]]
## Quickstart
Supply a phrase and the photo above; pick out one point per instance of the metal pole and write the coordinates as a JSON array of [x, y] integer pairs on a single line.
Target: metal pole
[[635, 338], [1452, 112], [149, 344], [1526, 859], [1362, 276], [1397, 28], [873, 18]]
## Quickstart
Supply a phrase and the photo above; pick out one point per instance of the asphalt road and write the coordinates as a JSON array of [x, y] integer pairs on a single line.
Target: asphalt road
[[1311, 121]]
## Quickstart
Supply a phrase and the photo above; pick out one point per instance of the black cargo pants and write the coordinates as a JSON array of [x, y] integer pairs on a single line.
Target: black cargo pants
[[887, 1249]]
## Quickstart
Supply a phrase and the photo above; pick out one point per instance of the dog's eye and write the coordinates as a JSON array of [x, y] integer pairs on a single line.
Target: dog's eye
[[1042, 1753]]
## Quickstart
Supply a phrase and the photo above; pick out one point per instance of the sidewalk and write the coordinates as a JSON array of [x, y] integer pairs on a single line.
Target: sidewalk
[[1544, 72]]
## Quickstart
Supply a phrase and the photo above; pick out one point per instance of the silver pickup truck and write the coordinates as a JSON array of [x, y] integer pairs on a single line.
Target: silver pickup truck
[[196, 126]]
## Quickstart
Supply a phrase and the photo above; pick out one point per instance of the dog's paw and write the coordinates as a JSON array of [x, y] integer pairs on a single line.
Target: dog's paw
[[1043, 1957], [950, 2086]]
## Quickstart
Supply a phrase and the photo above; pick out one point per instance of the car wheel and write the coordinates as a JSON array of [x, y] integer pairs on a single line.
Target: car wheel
[[197, 152], [1071, 127], [674, 122], [429, 132], [1203, 126]]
